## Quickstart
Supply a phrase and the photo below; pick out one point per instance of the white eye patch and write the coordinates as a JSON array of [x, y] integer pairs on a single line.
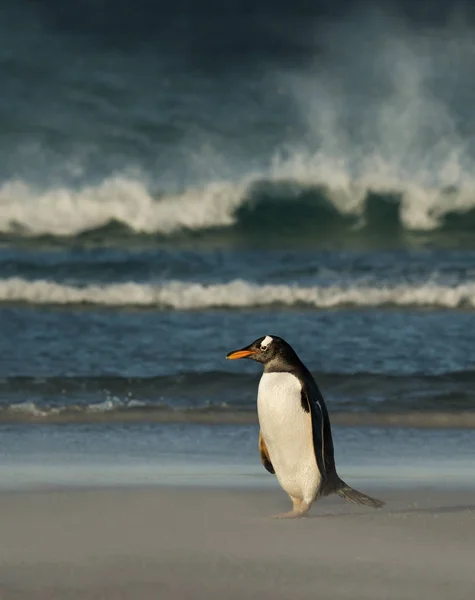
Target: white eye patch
[[265, 342]]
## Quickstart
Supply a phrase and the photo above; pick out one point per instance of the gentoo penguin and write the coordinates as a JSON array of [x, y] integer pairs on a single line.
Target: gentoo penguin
[[295, 439]]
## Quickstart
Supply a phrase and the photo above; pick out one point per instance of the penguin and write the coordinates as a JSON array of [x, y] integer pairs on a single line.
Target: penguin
[[295, 438]]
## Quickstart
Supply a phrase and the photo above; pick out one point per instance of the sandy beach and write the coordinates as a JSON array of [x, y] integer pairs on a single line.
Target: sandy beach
[[184, 543]]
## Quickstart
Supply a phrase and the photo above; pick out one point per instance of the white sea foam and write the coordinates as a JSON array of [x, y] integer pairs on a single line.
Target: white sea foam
[[180, 295], [68, 212], [27, 408]]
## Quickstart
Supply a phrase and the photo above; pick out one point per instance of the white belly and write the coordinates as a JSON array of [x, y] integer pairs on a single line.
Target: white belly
[[287, 432]]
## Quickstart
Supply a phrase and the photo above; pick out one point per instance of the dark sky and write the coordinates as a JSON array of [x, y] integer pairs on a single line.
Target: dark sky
[[152, 16]]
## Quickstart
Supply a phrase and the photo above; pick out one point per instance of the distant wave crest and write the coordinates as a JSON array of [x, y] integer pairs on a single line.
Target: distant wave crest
[[288, 201], [179, 295]]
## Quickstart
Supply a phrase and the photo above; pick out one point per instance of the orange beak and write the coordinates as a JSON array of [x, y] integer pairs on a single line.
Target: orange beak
[[240, 354]]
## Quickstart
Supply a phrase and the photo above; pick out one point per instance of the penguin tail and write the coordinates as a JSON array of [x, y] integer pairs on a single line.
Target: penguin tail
[[353, 496]]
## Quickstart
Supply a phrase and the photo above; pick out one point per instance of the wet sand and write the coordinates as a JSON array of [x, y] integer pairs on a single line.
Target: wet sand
[[186, 543]]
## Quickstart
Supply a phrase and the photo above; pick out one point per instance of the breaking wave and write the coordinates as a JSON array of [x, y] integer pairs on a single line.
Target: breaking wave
[[240, 294], [306, 200]]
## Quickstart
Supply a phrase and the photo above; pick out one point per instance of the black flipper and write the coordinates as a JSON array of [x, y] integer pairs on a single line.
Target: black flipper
[[324, 451]]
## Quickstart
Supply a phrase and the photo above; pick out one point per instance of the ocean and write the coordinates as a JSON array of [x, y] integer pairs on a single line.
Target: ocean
[[179, 180]]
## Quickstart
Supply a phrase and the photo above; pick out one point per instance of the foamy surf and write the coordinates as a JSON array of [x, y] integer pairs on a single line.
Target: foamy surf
[[236, 294], [68, 212], [310, 187]]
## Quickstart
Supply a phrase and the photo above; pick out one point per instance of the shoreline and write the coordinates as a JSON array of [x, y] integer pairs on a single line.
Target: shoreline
[[212, 473], [409, 420], [223, 456]]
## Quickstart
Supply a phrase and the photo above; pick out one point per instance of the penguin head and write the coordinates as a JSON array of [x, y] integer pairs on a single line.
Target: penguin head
[[267, 349]]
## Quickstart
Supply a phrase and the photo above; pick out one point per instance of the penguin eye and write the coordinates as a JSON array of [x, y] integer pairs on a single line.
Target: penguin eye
[[265, 343]]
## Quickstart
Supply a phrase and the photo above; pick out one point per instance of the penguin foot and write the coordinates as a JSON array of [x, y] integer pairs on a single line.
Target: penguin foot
[[299, 509], [293, 514]]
